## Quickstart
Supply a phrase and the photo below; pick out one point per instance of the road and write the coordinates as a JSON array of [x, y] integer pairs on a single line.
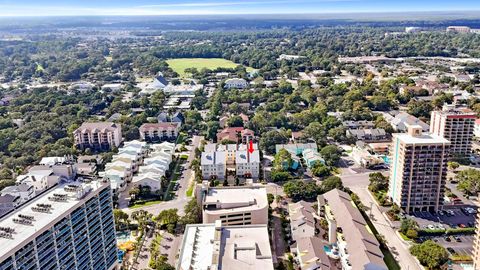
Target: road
[[358, 183], [181, 197]]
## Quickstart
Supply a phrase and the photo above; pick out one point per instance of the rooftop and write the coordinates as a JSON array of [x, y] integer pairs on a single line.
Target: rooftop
[[230, 199], [362, 245], [424, 138], [42, 212], [211, 246]]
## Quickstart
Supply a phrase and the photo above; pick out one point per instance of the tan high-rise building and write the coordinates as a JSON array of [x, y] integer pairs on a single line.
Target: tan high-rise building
[[476, 245], [418, 170], [457, 125]]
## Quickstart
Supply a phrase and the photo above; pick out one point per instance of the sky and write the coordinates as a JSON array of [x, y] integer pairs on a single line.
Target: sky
[[209, 7]]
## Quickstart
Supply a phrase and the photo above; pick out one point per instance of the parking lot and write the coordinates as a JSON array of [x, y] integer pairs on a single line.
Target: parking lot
[[458, 219], [461, 244]]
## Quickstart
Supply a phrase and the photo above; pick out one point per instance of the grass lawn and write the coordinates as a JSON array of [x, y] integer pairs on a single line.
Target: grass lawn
[[145, 204], [190, 189], [180, 64]]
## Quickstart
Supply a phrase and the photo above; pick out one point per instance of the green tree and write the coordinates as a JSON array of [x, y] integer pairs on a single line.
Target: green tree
[[320, 170], [193, 213], [430, 254], [235, 121], [270, 139], [408, 224], [469, 181], [330, 183], [331, 154], [378, 182], [283, 160]]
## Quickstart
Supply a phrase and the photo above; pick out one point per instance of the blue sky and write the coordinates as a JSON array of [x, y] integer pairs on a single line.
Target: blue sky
[[188, 7]]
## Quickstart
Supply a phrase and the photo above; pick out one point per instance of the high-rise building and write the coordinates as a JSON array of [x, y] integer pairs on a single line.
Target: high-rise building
[[457, 125], [476, 244], [68, 227], [418, 170], [98, 136]]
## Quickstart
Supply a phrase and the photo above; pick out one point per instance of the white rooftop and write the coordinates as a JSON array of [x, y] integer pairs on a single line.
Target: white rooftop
[[236, 199], [210, 246], [41, 220], [425, 138]]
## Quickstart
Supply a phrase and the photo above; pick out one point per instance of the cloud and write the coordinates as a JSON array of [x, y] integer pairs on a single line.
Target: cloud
[[237, 3]]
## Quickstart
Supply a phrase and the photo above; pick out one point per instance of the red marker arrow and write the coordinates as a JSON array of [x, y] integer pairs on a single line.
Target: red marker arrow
[[250, 148]]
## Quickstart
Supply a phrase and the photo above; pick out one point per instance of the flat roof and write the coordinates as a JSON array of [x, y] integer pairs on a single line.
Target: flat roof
[[425, 138], [25, 233], [206, 246], [231, 199]]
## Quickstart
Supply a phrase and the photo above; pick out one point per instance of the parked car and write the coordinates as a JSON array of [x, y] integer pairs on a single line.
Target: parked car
[[431, 227], [451, 250], [458, 239], [447, 238]]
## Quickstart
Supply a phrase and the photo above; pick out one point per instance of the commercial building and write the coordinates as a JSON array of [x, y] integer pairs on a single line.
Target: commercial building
[[457, 125], [458, 29], [157, 132], [98, 136], [236, 205], [69, 227], [349, 238], [418, 170], [215, 246]]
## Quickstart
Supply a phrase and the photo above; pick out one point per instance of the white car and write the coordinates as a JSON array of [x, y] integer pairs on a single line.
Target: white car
[[431, 227]]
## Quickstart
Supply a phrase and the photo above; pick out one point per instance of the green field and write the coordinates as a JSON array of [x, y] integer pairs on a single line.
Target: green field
[[180, 64]]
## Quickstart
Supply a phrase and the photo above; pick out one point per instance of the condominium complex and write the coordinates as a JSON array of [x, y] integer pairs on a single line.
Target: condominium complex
[[457, 125], [157, 132], [218, 161], [349, 237], [215, 246], [68, 227], [98, 136], [234, 205], [418, 170]]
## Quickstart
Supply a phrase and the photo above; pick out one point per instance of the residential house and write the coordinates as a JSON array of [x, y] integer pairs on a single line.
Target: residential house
[[150, 179]]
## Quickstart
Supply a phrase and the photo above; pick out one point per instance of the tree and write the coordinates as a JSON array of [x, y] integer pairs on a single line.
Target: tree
[[408, 224], [279, 176], [299, 190], [168, 218], [452, 165], [193, 213], [378, 182], [235, 121], [331, 154], [320, 170], [430, 254], [330, 183], [283, 160], [120, 217], [469, 181], [270, 139]]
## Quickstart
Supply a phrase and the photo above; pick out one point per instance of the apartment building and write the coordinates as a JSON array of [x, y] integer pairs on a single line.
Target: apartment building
[[217, 246], [157, 132], [458, 29], [236, 84], [98, 136], [235, 205], [476, 244], [348, 235], [218, 161], [457, 125], [418, 170], [69, 227]]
